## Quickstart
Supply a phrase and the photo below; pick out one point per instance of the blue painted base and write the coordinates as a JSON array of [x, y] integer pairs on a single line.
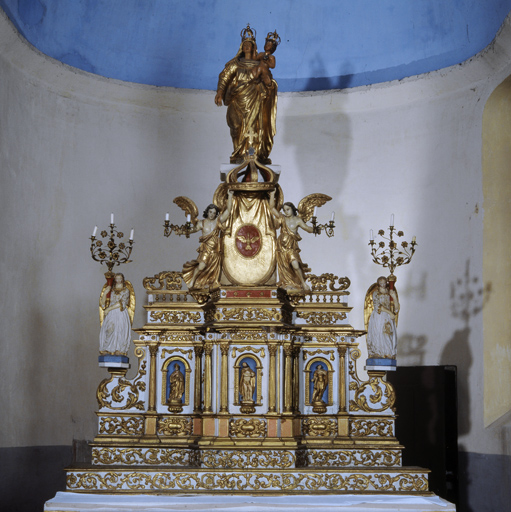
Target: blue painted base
[[113, 361], [381, 362]]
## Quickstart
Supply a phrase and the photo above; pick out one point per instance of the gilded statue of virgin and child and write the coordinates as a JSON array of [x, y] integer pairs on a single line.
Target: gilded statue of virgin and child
[[247, 88]]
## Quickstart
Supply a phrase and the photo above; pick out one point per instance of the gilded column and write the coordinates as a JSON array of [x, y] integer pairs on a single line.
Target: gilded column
[[224, 385], [342, 378], [296, 380], [208, 406], [272, 385], [197, 395], [151, 417], [288, 378]]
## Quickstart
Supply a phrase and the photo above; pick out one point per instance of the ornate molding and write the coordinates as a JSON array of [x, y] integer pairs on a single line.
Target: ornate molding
[[321, 317], [366, 427], [121, 425], [319, 427], [175, 317], [247, 428], [175, 426]]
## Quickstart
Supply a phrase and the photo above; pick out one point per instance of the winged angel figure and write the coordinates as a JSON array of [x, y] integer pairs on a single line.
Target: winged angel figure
[[381, 309], [291, 267], [116, 311], [204, 272]]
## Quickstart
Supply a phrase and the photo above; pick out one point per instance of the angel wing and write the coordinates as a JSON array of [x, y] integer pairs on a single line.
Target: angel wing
[[188, 206], [368, 304], [308, 203], [107, 303], [131, 304]]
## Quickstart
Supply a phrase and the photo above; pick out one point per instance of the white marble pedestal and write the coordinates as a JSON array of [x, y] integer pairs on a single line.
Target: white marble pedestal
[[78, 502]]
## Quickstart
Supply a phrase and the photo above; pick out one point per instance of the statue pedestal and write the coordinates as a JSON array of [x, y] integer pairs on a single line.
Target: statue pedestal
[[76, 502]]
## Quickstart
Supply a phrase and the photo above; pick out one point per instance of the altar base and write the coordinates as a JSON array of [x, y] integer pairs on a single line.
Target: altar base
[[77, 502]]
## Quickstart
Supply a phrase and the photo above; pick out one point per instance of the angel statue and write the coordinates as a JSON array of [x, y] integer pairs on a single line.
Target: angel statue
[[290, 266], [381, 308], [204, 272], [116, 311]]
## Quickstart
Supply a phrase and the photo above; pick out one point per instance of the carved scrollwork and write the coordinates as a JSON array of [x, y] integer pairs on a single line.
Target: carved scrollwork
[[121, 425], [188, 353], [175, 426], [144, 456], [322, 317], [249, 314], [352, 458], [175, 317], [130, 399], [167, 281], [248, 349], [307, 353], [319, 427], [366, 427], [247, 428], [239, 459], [374, 395], [324, 281]]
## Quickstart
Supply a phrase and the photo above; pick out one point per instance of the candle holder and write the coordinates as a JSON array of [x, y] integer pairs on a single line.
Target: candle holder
[[391, 255], [186, 229], [317, 228], [109, 252]]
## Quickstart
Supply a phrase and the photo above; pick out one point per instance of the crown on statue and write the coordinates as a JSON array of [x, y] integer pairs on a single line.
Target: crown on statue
[[274, 38], [247, 34]]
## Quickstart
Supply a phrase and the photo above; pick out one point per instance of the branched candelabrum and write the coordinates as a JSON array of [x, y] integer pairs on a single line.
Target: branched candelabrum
[[391, 255], [328, 228], [185, 229], [109, 252]]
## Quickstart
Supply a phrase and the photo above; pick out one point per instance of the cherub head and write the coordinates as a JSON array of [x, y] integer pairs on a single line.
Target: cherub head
[[211, 212]]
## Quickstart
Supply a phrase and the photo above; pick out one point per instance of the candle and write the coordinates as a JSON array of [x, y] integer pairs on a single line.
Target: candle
[[371, 237], [167, 216], [315, 211], [131, 234], [392, 220], [413, 239], [95, 231], [333, 216], [111, 218], [188, 217]]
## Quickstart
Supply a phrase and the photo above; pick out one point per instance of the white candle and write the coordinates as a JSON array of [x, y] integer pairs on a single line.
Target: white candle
[[333, 216], [392, 220], [371, 237], [95, 231], [188, 217], [167, 216], [413, 239], [315, 211], [111, 218], [131, 234]]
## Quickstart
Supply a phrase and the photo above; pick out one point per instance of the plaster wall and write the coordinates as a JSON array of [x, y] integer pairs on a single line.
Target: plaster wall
[[75, 147]]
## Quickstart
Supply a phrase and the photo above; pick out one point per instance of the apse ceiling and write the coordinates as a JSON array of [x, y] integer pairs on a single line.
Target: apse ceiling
[[326, 44]]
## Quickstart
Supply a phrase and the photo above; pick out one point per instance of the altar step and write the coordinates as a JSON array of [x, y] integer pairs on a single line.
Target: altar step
[[162, 479]]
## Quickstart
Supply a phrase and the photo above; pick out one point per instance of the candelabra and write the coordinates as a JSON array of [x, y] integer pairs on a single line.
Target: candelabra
[[391, 255], [109, 252], [186, 229], [327, 227]]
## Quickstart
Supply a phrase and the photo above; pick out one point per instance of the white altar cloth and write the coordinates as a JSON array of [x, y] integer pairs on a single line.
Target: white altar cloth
[[78, 502]]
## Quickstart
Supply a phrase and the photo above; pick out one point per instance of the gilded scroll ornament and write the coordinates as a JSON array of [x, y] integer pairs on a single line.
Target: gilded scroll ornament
[[130, 400], [188, 353], [249, 314], [368, 427], [353, 458], [175, 426], [319, 427], [240, 459], [307, 353], [169, 281], [374, 395], [175, 317], [121, 425], [251, 428], [326, 282], [246, 481], [144, 456], [259, 350], [321, 317]]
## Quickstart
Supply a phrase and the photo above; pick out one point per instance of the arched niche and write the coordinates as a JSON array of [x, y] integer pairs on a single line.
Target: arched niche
[[496, 167]]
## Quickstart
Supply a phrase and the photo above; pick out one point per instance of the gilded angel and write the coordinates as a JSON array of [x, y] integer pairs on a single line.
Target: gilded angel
[[291, 268], [381, 308], [204, 272], [116, 312]]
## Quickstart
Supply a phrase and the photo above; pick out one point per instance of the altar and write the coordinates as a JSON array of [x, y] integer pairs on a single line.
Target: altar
[[249, 393]]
